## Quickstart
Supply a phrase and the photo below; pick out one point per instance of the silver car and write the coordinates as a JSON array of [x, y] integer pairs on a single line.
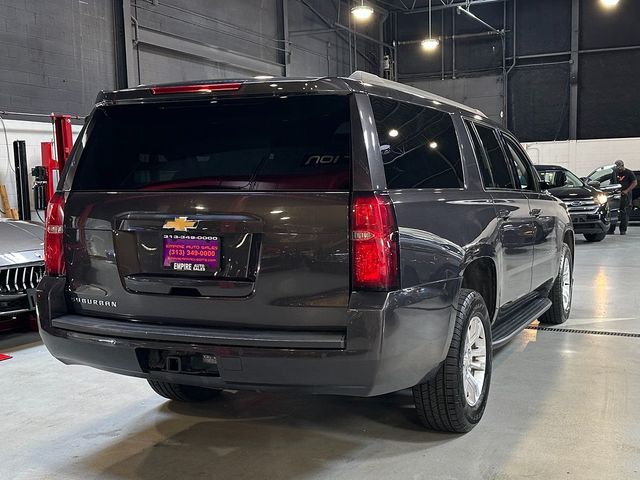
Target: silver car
[[21, 266]]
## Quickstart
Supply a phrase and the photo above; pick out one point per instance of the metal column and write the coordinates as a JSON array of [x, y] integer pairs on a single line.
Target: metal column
[[286, 44], [574, 70], [123, 44], [63, 138], [22, 180]]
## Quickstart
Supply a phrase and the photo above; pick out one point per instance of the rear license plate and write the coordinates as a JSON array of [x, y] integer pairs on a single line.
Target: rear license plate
[[190, 252]]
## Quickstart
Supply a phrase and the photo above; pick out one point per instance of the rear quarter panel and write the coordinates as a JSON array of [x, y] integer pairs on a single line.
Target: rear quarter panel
[[441, 231]]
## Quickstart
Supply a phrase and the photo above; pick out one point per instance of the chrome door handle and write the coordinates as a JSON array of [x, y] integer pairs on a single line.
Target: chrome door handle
[[535, 212]]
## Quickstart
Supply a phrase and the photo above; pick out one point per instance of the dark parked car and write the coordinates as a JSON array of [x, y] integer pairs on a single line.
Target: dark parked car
[[21, 268], [588, 206], [605, 179], [332, 235]]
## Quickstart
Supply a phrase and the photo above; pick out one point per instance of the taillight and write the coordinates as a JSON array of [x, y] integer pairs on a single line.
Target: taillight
[[198, 88], [374, 243], [53, 248]]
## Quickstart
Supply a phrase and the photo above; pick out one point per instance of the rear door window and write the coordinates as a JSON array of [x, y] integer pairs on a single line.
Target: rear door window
[[481, 157], [294, 143], [499, 168], [419, 145], [525, 175]]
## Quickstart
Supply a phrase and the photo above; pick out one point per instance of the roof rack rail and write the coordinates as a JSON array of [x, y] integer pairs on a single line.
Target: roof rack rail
[[371, 79]]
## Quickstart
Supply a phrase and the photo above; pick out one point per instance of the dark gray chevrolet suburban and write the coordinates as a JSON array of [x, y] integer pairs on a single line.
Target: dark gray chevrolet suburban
[[346, 236]]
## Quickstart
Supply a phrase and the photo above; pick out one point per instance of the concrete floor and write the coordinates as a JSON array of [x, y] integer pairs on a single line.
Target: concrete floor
[[562, 405]]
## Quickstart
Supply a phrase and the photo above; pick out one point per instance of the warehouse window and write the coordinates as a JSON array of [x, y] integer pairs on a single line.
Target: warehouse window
[[419, 146]]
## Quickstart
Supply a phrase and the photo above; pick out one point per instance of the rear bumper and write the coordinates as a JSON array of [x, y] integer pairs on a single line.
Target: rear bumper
[[392, 341]]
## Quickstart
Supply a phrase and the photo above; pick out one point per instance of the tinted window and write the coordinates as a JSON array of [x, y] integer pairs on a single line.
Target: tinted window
[[499, 168], [523, 171], [419, 146], [295, 143], [481, 157]]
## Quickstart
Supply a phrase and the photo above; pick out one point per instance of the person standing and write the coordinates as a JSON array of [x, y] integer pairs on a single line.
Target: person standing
[[627, 179]]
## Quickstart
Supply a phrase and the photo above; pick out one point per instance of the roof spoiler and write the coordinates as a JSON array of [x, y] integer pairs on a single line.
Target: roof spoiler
[[371, 79]]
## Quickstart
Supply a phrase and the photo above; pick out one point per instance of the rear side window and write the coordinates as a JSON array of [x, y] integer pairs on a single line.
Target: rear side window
[[497, 161], [483, 160], [294, 143], [521, 165], [419, 146]]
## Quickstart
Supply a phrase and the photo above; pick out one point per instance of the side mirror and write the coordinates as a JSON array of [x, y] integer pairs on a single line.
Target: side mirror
[[544, 185], [593, 183]]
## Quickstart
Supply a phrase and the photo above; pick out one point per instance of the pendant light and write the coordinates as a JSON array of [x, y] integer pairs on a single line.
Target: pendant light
[[362, 12], [430, 43]]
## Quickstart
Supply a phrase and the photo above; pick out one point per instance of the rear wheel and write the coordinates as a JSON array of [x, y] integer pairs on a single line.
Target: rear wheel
[[455, 398], [562, 291], [595, 237], [183, 393]]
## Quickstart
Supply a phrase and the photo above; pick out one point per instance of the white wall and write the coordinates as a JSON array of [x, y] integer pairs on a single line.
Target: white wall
[[33, 133], [584, 156]]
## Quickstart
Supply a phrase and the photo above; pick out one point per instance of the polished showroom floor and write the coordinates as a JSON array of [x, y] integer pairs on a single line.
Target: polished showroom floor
[[563, 404]]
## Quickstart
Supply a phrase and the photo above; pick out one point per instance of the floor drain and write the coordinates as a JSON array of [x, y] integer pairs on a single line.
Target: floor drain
[[584, 332]]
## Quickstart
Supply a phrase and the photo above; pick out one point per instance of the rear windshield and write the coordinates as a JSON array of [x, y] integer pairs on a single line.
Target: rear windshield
[[292, 143]]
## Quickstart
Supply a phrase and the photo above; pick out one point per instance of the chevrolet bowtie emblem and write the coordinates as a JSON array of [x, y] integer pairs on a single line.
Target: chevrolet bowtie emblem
[[181, 224]]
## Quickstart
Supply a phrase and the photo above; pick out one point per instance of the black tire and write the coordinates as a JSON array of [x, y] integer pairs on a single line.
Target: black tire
[[558, 313], [595, 237], [183, 393], [441, 402], [612, 228]]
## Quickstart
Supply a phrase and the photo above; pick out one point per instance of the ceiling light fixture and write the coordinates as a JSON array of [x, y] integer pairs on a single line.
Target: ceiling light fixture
[[362, 12], [430, 43], [610, 3], [393, 133]]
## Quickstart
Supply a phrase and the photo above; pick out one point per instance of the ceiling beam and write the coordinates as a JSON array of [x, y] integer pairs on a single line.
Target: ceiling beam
[[435, 8]]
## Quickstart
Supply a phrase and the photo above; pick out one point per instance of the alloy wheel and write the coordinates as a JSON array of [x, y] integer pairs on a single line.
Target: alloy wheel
[[474, 361], [566, 284]]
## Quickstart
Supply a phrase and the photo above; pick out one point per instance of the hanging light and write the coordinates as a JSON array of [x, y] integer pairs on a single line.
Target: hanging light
[[430, 43], [362, 12], [610, 3]]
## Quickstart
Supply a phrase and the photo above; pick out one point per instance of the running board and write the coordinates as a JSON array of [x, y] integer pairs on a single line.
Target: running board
[[513, 325]]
